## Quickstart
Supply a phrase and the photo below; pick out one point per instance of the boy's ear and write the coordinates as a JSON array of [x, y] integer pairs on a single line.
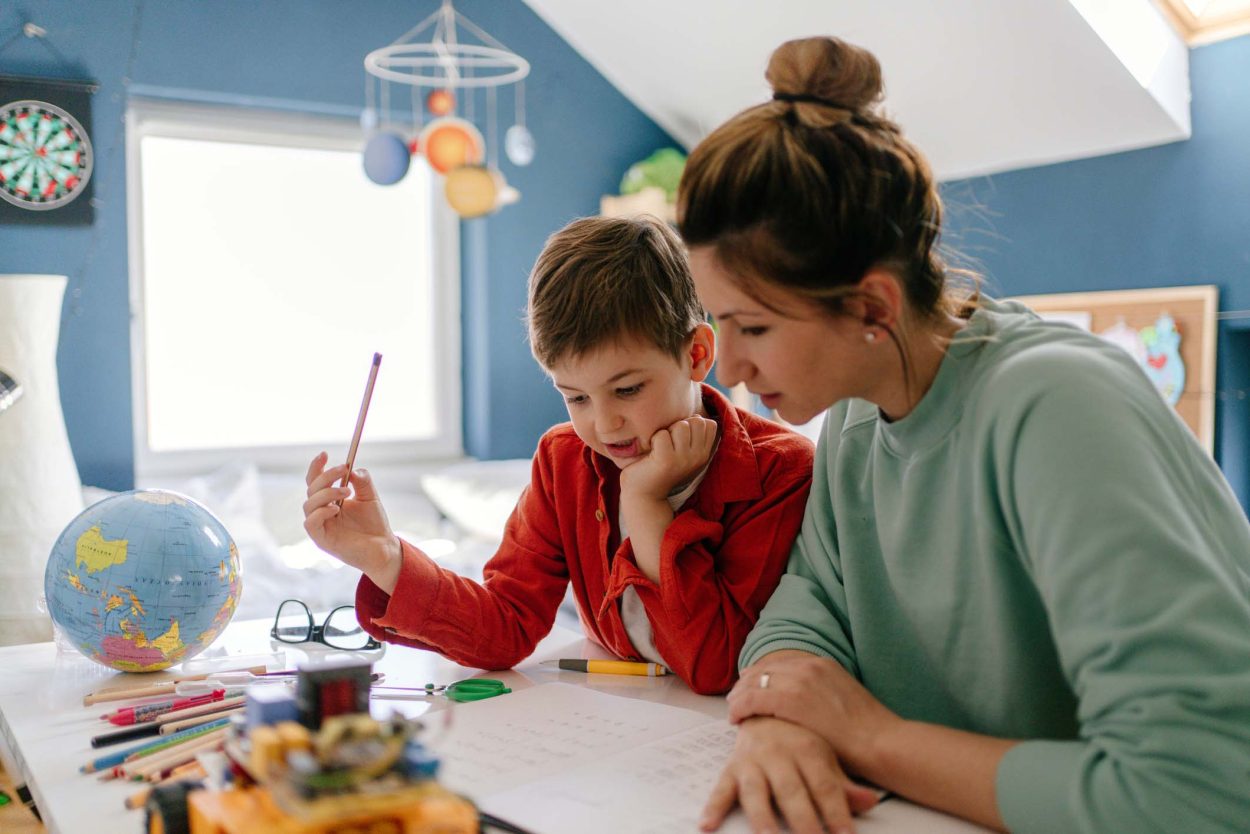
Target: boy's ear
[[702, 352]]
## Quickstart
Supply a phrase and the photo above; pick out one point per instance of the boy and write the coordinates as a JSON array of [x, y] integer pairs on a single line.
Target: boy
[[670, 511]]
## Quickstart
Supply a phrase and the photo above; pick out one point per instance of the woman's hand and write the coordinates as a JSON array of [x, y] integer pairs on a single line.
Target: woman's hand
[[818, 694], [776, 761], [350, 522]]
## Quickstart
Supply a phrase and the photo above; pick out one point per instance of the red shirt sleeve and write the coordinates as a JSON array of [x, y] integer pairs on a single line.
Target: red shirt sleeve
[[716, 575], [492, 625]]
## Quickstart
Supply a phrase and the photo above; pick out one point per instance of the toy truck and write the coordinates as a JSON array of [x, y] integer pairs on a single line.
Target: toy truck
[[325, 773], [355, 776]]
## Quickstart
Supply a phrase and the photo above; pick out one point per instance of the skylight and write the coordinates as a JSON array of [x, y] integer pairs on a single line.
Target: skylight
[[1204, 21]]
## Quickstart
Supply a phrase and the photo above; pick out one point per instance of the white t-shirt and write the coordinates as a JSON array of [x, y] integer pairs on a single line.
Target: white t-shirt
[[633, 613]]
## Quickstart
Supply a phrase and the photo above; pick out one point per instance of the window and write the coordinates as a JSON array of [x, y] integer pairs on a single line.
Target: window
[[1206, 21], [266, 269]]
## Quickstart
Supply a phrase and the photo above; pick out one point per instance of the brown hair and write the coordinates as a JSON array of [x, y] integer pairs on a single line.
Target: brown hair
[[811, 190], [603, 279]]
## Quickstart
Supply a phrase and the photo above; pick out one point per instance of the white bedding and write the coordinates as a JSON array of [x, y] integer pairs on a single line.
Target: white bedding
[[456, 513], [263, 514]]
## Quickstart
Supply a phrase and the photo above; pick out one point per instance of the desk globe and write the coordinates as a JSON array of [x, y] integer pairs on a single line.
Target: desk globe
[[143, 580]]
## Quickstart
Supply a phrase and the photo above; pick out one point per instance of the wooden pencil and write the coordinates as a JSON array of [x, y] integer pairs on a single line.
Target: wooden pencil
[[195, 721], [176, 753], [113, 760], [171, 771], [187, 773], [127, 769], [151, 769], [360, 418], [203, 709], [194, 734], [162, 688]]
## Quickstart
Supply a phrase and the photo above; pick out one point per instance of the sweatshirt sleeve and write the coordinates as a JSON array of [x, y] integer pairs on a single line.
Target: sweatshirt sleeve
[[492, 625], [716, 575], [1140, 553], [808, 610]]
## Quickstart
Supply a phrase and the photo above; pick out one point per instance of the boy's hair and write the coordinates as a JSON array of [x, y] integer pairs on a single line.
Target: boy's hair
[[600, 280]]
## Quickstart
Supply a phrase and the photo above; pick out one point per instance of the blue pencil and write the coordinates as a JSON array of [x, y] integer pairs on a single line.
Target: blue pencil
[[115, 759]]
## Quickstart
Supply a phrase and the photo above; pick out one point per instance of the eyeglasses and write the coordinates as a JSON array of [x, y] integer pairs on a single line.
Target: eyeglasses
[[341, 629]]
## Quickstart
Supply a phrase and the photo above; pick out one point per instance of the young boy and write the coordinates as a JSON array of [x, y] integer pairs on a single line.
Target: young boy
[[670, 511]]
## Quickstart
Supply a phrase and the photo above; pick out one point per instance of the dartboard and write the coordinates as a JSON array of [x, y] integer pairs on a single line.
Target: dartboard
[[45, 155]]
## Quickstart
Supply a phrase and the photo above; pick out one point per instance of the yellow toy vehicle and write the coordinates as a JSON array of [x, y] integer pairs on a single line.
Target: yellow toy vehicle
[[355, 775]]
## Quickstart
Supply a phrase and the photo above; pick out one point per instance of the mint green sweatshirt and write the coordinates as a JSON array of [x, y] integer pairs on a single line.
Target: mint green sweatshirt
[[1040, 550]]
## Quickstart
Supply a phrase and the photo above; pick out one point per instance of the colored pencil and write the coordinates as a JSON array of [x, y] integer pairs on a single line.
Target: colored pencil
[[134, 768], [178, 755], [115, 759], [176, 726], [142, 713], [190, 772], [126, 734], [360, 417], [205, 709], [162, 688]]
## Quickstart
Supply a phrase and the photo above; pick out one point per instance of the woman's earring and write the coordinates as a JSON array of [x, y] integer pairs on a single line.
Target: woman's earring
[[870, 336]]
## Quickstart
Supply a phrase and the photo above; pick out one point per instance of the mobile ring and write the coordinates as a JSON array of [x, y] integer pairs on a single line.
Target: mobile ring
[[764, 680]]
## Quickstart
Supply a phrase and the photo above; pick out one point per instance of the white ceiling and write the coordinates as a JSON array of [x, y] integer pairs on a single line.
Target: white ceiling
[[980, 85]]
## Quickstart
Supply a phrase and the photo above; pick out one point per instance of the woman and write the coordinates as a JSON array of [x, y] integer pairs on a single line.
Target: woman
[[1021, 592]]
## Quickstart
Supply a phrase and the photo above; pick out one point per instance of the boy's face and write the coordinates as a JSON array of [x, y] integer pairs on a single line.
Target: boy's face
[[621, 393]]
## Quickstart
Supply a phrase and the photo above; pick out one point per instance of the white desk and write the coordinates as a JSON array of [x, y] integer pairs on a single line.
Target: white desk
[[47, 730]]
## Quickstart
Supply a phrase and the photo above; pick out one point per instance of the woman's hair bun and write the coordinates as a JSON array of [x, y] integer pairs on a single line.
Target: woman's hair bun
[[826, 68]]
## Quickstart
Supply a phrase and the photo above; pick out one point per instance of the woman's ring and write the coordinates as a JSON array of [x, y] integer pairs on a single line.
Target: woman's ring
[[764, 680]]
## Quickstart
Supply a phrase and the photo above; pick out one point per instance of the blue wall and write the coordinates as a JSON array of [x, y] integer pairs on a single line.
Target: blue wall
[[306, 55], [1172, 215], [1177, 214]]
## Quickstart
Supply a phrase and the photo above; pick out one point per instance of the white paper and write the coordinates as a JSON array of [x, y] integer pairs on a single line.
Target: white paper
[[658, 788], [519, 738], [562, 759]]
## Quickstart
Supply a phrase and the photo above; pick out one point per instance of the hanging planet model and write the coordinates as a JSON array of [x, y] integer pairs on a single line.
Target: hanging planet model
[[450, 143], [440, 102], [518, 144], [386, 158]]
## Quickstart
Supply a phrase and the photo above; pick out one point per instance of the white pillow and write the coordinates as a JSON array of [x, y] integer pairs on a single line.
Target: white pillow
[[479, 495]]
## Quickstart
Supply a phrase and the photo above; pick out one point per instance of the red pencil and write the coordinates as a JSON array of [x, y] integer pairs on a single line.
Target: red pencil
[[150, 712]]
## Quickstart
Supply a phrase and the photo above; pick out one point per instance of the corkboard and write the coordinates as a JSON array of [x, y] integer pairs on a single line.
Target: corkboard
[[1193, 309]]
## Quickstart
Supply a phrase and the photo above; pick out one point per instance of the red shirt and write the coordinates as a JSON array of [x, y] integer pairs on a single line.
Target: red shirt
[[720, 559]]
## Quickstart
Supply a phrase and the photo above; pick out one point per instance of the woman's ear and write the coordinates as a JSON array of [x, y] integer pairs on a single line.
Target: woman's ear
[[879, 303], [702, 352]]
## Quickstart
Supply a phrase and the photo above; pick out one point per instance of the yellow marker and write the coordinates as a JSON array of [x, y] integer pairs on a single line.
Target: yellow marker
[[610, 667]]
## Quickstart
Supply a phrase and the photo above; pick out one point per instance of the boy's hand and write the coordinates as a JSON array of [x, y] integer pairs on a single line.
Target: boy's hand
[[677, 454], [350, 523]]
